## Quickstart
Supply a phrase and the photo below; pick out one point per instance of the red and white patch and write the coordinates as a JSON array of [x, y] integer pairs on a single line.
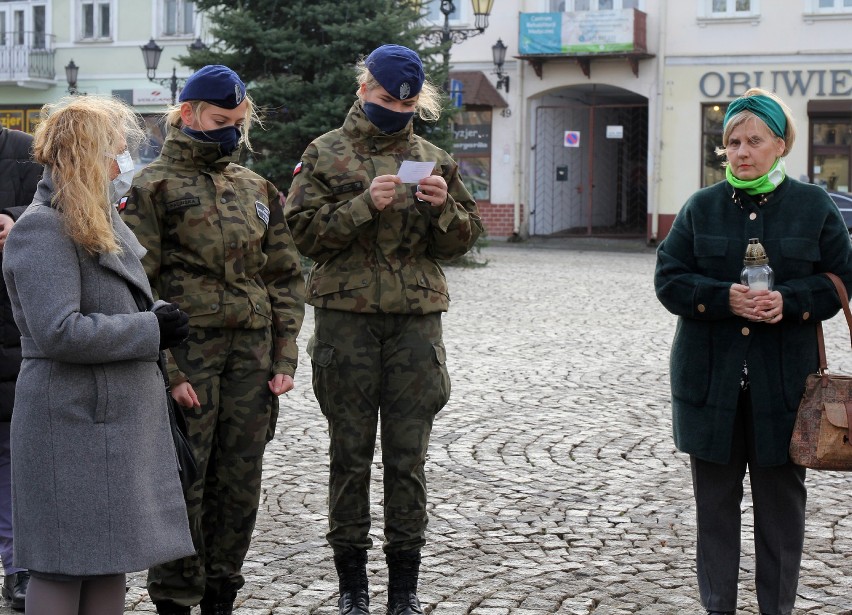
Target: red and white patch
[[297, 170], [122, 203]]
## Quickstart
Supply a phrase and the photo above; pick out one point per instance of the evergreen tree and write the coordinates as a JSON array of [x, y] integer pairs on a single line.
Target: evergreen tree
[[297, 59]]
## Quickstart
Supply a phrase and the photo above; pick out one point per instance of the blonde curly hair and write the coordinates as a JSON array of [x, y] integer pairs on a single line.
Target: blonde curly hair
[[78, 138]]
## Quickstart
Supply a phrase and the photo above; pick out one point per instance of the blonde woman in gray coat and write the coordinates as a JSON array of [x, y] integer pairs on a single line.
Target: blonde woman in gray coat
[[96, 492]]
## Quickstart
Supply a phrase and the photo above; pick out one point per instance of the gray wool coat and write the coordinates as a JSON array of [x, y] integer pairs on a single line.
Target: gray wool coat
[[95, 487]]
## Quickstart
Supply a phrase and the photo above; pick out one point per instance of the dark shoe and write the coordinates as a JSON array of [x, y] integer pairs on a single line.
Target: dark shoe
[[351, 567], [15, 589], [721, 612], [220, 608], [403, 573], [217, 608], [167, 607], [356, 602], [400, 603]]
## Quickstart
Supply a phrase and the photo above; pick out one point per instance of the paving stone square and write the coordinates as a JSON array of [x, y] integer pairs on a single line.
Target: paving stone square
[[554, 484]]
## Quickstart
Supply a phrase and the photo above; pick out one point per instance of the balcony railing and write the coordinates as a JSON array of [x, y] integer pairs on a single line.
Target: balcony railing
[[27, 55]]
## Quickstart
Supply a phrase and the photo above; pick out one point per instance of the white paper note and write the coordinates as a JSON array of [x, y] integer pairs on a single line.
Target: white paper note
[[412, 171]]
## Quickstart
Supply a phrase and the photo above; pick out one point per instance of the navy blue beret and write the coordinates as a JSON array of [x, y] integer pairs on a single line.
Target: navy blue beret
[[398, 70], [214, 84]]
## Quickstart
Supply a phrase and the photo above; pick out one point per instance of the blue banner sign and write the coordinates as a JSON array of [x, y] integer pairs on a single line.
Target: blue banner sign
[[580, 32]]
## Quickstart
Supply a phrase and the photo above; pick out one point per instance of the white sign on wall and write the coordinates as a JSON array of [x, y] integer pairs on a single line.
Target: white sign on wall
[[152, 96], [615, 132]]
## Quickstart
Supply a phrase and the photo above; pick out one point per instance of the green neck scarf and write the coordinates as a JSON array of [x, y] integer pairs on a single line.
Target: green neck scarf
[[761, 185]]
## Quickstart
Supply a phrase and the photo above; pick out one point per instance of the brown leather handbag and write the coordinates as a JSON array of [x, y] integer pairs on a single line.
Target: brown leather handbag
[[822, 435]]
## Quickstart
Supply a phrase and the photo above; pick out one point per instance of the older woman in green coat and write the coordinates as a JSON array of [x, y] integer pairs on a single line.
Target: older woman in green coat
[[740, 355]]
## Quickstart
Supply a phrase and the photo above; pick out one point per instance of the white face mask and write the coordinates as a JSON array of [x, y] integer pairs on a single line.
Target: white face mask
[[122, 182]]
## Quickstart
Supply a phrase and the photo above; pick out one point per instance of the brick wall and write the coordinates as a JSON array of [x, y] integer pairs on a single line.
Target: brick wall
[[498, 218]]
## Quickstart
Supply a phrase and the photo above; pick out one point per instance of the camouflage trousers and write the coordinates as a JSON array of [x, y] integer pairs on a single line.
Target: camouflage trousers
[[229, 370], [371, 368]]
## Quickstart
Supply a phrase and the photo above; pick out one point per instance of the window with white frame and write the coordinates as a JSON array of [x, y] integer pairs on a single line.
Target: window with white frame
[[23, 23], [560, 6], [178, 17], [829, 6], [730, 8], [95, 19], [726, 10]]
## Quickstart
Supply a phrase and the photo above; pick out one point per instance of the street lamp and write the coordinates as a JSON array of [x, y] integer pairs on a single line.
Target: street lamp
[[71, 71], [447, 36], [498, 52], [151, 52]]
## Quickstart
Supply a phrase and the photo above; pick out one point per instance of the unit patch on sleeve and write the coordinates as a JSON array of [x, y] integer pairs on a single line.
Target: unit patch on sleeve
[[297, 170], [262, 212]]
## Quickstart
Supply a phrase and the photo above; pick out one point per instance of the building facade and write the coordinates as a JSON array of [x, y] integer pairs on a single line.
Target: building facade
[[616, 105], [103, 40], [601, 121]]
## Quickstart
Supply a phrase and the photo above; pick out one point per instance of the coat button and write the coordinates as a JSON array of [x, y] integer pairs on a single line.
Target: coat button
[[223, 200], [752, 216], [701, 308], [746, 331], [806, 315], [214, 307], [233, 245]]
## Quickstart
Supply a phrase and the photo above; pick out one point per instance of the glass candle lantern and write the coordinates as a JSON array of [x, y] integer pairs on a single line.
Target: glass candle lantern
[[756, 273]]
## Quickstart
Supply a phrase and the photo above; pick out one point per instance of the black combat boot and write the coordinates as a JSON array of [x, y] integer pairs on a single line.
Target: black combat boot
[[351, 565], [219, 604], [403, 570], [167, 607]]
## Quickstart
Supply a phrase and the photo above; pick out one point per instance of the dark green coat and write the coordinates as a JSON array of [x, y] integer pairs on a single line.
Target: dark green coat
[[803, 234]]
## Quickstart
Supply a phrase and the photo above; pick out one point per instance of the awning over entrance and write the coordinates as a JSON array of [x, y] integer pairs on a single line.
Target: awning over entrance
[[477, 89]]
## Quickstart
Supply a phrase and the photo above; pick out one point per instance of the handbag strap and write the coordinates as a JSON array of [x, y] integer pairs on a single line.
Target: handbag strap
[[844, 301]]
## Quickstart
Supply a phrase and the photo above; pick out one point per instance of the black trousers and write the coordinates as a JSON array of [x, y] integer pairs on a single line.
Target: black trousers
[[779, 497]]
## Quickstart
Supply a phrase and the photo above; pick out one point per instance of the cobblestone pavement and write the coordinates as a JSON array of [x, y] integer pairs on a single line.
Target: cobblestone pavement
[[554, 484]]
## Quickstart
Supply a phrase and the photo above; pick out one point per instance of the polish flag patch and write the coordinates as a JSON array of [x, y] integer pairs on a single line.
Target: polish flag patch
[[297, 170], [122, 203]]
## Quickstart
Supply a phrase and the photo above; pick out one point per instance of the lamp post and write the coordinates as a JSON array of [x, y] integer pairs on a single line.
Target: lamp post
[[151, 52], [498, 53], [447, 36], [71, 71]]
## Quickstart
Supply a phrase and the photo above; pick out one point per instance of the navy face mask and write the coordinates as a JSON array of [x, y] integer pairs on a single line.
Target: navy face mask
[[228, 137], [386, 120]]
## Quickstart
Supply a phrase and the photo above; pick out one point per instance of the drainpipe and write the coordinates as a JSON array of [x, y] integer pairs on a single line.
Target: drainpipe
[[520, 150], [659, 105]]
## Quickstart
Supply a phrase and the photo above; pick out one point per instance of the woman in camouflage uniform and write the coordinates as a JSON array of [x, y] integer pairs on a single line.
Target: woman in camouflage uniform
[[377, 351], [218, 245]]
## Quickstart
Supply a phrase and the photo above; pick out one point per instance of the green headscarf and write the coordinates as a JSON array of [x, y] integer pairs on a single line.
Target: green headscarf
[[763, 107]]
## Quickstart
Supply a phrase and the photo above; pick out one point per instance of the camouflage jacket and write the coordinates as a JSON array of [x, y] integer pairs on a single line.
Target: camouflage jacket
[[368, 260], [218, 244]]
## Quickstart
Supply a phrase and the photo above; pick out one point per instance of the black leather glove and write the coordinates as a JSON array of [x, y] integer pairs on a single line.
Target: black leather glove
[[174, 325]]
